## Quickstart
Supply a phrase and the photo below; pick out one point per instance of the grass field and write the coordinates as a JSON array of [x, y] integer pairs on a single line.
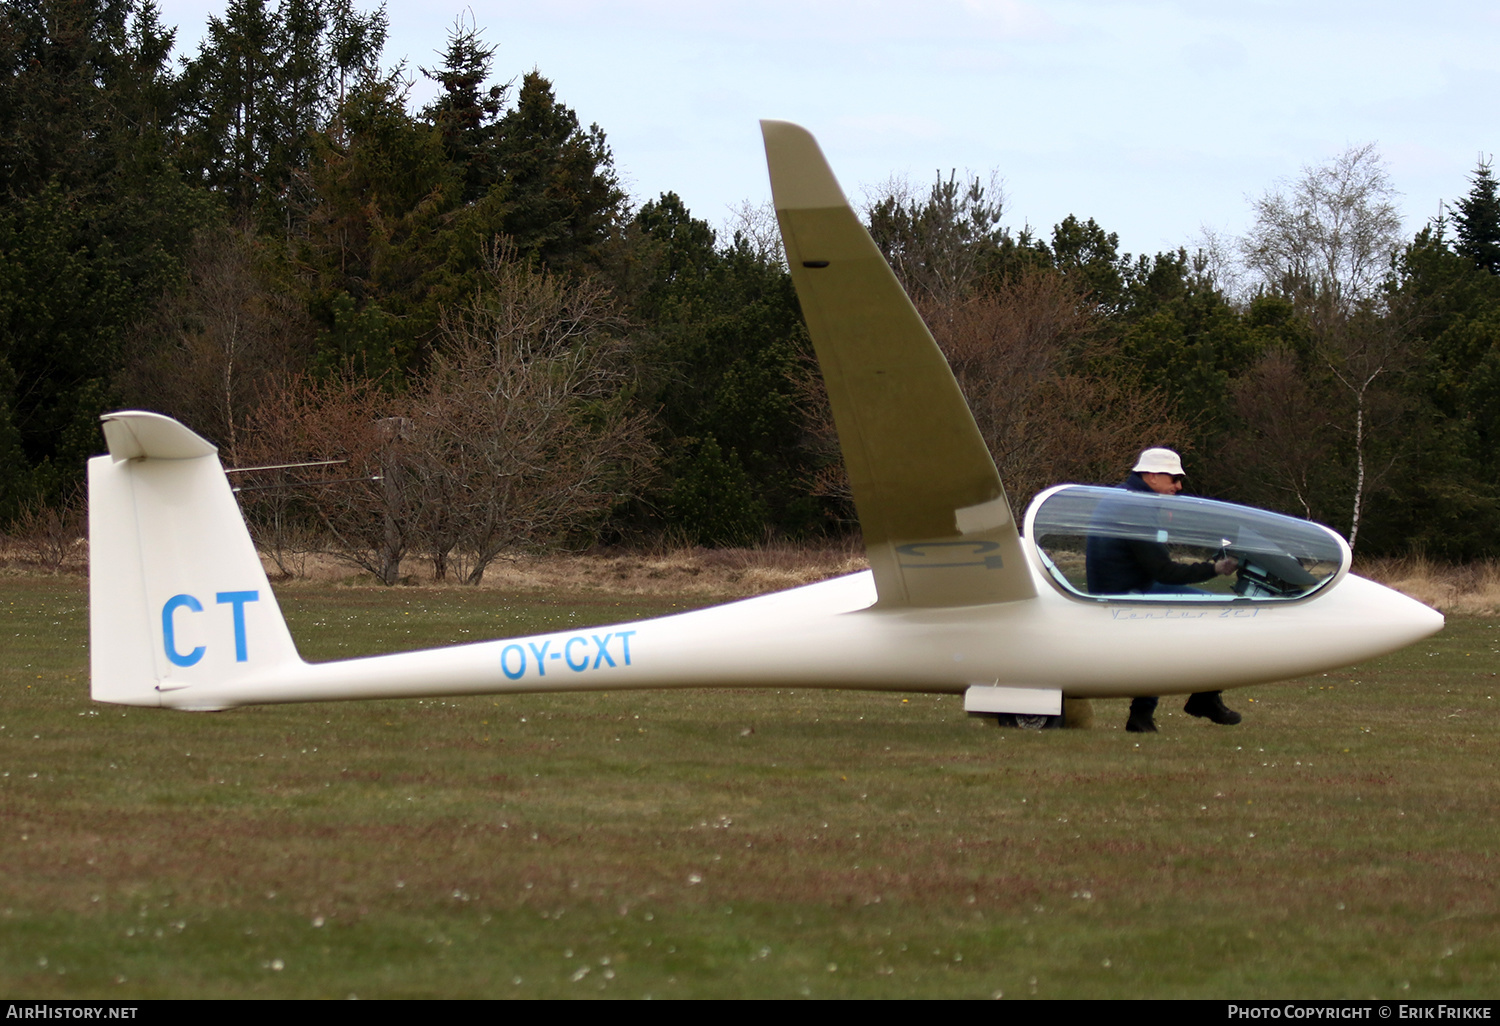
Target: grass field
[[1342, 842]]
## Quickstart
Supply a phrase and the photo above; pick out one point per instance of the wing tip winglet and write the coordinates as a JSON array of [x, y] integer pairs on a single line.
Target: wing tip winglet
[[800, 176]]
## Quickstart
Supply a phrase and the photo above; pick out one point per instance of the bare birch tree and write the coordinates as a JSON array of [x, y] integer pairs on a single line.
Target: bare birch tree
[[1330, 235], [1327, 244], [1366, 354], [756, 225]]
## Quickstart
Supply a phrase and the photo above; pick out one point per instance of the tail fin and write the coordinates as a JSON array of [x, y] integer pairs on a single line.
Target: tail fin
[[177, 594]]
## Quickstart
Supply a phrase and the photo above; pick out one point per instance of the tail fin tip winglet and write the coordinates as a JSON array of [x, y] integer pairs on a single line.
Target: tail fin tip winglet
[[139, 434]]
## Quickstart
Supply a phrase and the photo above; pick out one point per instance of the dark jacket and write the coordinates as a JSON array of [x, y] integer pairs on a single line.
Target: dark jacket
[[1116, 566]]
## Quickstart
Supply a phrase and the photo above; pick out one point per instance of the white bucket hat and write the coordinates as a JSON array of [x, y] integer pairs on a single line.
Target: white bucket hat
[[1159, 461]]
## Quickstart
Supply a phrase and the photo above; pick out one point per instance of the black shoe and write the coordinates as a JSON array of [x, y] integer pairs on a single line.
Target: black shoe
[[1210, 705], [1141, 720]]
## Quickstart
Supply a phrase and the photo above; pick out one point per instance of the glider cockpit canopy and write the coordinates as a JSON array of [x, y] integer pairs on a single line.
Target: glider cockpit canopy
[[1280, 558]]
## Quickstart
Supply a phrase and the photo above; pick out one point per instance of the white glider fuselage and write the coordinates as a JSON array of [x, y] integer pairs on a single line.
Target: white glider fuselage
[[956, 601], [834, 635]]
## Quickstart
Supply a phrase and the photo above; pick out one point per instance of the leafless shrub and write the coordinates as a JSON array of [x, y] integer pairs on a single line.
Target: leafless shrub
[[1085, 427], [51, 538], [282, 523], [1020, 354], [367, 503], [524, 426], [520, 435]]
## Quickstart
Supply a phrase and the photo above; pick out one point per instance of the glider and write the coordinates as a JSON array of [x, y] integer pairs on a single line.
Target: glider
[[957, 600]]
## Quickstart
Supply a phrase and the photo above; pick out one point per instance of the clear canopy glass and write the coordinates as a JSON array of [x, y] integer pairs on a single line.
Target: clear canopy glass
[[1115, 544]]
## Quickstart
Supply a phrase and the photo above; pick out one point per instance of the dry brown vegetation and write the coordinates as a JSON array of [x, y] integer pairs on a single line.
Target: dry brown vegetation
[[58, 545], [690, 570], [1465, 589], [50, 545], [1020, 354], [1471, 588]]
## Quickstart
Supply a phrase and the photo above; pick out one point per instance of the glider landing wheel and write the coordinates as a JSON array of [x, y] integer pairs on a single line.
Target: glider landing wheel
[[1028, 722]]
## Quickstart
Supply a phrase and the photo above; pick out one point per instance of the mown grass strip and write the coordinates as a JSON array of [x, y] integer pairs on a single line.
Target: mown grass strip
[[1341, 842]]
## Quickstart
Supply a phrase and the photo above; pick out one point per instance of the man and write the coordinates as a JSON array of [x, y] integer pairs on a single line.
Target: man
[[1120, 566]]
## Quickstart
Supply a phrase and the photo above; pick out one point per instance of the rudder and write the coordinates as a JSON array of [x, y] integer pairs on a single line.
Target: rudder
[[177, 593]]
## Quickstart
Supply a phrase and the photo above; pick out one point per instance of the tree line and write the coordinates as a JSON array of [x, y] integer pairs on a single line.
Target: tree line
[[460, 305]]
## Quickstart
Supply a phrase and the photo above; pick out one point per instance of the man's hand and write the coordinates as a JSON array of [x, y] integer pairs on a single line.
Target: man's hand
[[1227, 565]]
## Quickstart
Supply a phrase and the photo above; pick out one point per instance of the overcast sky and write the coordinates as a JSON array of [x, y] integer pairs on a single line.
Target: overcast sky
[[1154, 118]]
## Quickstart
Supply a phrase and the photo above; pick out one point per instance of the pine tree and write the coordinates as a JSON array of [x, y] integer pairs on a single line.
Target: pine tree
[[1478, 220], [232, 85], [466, 113], [94, 218], [723, 365], [565, 197], [264, 81], [375, 209]]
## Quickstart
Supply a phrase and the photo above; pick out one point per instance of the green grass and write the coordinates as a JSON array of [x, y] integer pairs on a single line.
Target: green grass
[[1340, 843]]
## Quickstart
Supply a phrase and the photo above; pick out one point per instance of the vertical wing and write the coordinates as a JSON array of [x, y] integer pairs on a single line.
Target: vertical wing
[[937, 526], [177, 594]]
